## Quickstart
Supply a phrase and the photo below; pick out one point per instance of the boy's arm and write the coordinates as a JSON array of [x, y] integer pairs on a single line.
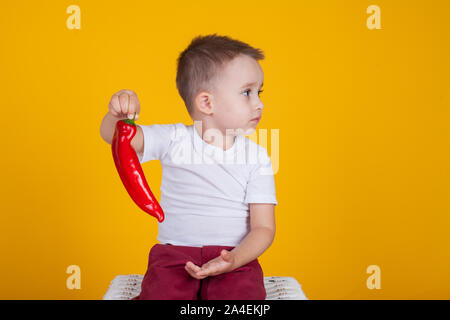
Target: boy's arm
[[260, 237], [108, 127]]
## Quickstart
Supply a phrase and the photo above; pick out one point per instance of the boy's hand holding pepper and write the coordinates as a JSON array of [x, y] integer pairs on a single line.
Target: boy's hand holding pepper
[[124, 104], [221, 264]]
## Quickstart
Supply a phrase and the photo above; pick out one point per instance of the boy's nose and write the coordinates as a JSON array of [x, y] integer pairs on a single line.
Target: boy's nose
[[260, 105]]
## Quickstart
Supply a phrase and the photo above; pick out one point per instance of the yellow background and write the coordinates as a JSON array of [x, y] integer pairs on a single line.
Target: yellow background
[[363, 117]]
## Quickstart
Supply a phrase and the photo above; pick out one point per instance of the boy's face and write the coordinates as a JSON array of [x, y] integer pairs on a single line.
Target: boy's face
[[236, 95]]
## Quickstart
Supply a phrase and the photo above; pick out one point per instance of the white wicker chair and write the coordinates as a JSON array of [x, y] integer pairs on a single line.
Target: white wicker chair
[[125, 287]]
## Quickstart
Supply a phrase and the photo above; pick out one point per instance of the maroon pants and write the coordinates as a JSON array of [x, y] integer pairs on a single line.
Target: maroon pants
[[166, 278]]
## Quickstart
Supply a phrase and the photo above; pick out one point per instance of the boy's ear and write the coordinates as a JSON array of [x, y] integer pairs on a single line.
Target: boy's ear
[[204, 102]]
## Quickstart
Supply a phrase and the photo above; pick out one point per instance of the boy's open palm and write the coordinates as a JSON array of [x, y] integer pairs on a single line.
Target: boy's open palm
[[221, 264]]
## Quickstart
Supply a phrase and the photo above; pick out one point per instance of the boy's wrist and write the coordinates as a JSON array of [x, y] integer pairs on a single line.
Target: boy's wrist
[[236, 263]]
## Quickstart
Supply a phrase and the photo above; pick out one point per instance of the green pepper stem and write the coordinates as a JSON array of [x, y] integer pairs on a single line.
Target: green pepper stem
[[130, 121]]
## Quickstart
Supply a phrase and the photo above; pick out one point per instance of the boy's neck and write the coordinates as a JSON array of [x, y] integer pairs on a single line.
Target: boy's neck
[[224, 142]]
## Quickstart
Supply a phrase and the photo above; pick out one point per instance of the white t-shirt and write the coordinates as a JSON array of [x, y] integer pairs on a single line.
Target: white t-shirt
[[205, 199]]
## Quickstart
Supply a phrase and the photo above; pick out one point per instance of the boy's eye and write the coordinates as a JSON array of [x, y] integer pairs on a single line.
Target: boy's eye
[[251, 90]]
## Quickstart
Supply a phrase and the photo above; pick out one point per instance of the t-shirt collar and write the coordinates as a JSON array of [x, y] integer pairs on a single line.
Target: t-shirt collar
[[211, 150]]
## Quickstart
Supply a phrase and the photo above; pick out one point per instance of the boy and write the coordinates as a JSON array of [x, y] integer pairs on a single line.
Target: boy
[[218, 201]]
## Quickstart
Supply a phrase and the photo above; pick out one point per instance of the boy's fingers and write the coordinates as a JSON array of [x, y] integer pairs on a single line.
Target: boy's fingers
[[124, 102], [118, 93], [115, 104], [134, 103], [130, 112], [191, 272], [195, 267], [195, 271]]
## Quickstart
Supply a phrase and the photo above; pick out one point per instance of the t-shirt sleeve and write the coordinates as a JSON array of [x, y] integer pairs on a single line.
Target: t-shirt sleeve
[[157, 139], [261, 185]]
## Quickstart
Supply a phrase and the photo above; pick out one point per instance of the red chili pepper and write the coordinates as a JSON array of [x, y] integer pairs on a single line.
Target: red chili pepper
[[130, 170]]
